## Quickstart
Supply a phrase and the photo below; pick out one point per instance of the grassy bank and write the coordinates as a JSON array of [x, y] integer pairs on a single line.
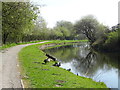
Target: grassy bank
[[15, 44], [38, 75], [56, 41]]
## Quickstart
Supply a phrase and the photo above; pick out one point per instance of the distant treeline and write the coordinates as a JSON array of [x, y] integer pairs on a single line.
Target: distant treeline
[[22, 22]]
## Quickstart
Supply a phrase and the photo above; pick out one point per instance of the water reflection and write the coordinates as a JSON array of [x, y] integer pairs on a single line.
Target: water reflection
[[86, 62]]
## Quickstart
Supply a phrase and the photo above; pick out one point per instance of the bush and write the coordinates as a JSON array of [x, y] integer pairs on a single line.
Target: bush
[[112, 38], [112, 43], [108, 43]]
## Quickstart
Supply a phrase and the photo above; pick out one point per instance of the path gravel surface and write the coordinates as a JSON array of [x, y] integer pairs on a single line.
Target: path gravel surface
[[9, 67]]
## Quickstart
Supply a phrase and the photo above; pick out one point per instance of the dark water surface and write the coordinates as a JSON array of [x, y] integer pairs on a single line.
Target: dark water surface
[[81, 60]]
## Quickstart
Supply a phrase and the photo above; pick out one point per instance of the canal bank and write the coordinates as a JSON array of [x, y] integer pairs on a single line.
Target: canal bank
[[35, 74], [88, 63]]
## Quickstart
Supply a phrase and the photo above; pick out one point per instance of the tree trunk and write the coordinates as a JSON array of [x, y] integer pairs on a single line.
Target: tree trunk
[[4, 38]]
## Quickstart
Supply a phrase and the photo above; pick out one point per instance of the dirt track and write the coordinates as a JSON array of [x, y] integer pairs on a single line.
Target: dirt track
[[9, 73]]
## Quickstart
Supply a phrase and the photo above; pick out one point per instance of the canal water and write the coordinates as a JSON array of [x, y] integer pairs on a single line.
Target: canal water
[[85, 62]]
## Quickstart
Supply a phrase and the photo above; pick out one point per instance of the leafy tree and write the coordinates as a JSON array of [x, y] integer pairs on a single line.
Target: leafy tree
[[40, 30], [66, 28], [58, 33], [65, 24], [109, 41], [17, 19], [88, 26], [69, 26], [65, 32], [113, 40]]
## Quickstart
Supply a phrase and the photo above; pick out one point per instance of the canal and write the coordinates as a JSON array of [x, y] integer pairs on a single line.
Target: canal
[[101, 67]]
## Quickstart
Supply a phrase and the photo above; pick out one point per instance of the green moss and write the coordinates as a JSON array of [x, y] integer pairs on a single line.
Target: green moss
[[39, 75]]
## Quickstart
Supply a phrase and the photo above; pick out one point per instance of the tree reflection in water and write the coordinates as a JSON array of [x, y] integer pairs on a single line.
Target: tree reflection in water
[[84, 61]]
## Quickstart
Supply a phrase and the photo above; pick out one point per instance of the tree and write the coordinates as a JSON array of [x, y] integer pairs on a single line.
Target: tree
[[17, 19], [88, 26], [40, 30], [65, 24], [66, 28]]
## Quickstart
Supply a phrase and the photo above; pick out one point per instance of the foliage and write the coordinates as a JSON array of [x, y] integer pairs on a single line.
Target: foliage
[[61, 33], [21, 23], [113, 40], [90, 27], [39, 32], [17, 19], [66, 24], [109, 42], [99, 35], [64, 30]]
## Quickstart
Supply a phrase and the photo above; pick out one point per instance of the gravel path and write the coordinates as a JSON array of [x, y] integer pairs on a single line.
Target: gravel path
[[9, 71]]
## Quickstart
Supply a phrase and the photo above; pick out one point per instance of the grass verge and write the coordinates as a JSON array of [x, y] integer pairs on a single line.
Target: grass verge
[[38, 75], [15, 44]]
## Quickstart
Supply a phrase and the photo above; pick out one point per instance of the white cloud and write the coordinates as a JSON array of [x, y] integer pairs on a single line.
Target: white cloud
[[106, 11]]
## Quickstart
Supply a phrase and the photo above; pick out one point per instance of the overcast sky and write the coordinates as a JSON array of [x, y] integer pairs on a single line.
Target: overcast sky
[[106, 11]]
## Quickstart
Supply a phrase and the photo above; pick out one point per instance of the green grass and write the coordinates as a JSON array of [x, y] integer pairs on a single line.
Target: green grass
[[56, 41], [38, 75], [7, 46], [15, 44]]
